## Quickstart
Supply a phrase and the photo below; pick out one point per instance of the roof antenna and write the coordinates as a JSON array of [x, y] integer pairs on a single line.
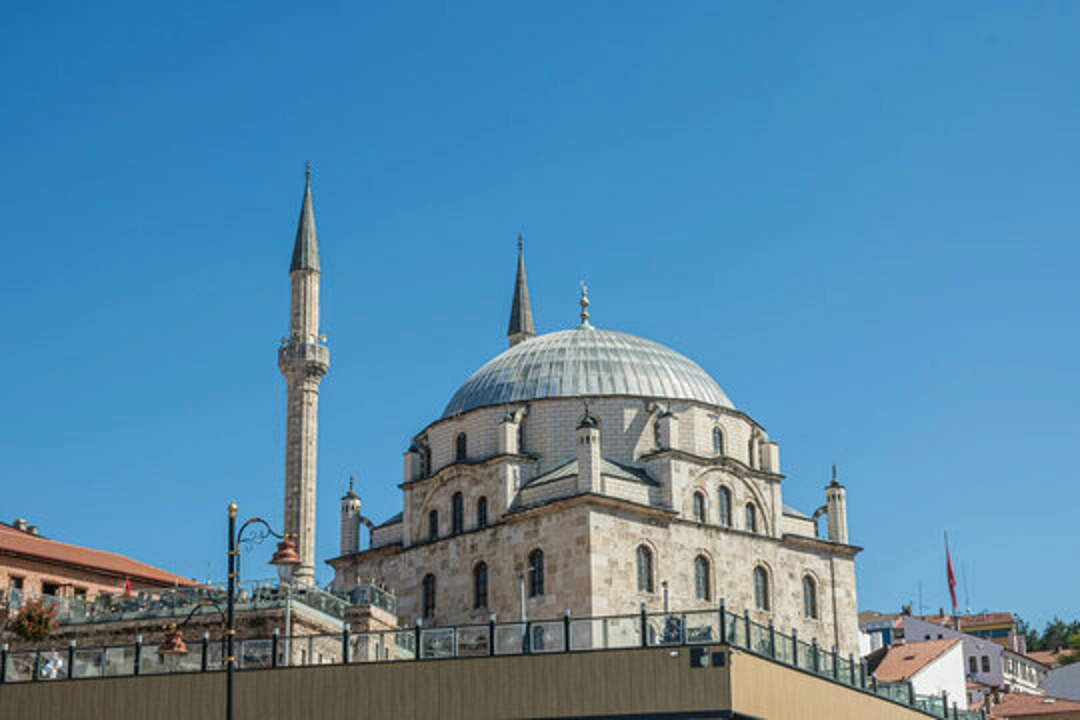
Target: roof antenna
[[584, 303]]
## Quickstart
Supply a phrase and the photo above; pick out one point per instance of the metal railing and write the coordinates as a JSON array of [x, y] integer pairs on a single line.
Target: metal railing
[[562, 635], [171, 602]]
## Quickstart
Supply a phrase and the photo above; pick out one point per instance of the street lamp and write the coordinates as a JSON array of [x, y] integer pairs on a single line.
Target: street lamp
[[285, 556], [285, 574]]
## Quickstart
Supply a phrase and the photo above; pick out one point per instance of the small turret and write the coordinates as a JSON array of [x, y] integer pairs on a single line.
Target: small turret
[[588, 437], [350, 521], [836, 507], [521, 320]]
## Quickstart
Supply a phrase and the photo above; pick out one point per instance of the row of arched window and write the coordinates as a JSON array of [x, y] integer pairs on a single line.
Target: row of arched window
[[723, 497], [457, 516], [534, 578], [703, 582]]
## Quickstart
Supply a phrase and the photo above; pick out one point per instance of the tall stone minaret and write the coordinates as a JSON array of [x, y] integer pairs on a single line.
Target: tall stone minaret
[[836, 502], [521, 320], [303, 360]]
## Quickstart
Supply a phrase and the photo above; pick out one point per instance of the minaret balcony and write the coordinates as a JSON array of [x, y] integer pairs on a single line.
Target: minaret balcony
[[308, 354]]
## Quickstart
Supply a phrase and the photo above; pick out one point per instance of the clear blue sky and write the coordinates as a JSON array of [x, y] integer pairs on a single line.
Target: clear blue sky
[[861, 218]]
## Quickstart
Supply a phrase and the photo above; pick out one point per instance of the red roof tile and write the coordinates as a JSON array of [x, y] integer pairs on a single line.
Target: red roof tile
[[17, 542], [1020, 705], [903, 661]]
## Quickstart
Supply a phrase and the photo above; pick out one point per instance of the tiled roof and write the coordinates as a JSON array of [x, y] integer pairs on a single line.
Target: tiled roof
[[1049, 658], [971, 622], [17, 542], [903, 661], [1021, 705]]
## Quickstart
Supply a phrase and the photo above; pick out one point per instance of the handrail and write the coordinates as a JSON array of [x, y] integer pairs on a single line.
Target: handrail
[[420, 643]]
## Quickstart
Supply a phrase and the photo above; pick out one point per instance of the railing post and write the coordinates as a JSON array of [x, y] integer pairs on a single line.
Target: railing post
[[37, 668], [795, 647], [416, 640], [817, 655], [274, 648], [566, 629], [851, 667], [526, 646], [862, 673], [205, 663], [746, 622], [723, 622], [955, 712], [345, 644], [772, 639], [911, 694], [491, 634], [944, 703], [644, 627], [3, 663], [71, 659], [138, 654]]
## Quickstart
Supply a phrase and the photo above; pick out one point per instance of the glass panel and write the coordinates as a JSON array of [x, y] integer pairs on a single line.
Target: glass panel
[[52, 665], [255, 654], [20, 666], [546, 637], [825, 663], [473, 641], [665, 629], [736, 631], [150, 662], [784, 651], [759, 639], [88, 663], [702, 627], [368, 647], [120, 661], [436, 643], [510, 639], [806, 656]]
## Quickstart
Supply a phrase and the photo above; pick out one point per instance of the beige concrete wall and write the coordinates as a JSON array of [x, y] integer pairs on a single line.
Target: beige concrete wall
[[768, 690], [627, 683]]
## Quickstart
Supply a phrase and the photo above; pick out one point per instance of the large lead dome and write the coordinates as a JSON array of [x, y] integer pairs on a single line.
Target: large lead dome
[[586, 362]]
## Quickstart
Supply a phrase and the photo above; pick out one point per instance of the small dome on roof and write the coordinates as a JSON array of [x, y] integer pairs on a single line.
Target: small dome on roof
[[586, 362]]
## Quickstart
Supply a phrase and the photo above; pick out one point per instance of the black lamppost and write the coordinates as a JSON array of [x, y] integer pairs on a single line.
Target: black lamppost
[[286, 557]]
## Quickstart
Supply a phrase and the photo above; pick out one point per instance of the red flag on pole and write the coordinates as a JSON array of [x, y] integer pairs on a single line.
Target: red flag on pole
[[951, 576], [127, 585]]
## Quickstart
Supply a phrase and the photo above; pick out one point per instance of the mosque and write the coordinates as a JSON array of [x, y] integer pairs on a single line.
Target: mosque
[[587, 470]]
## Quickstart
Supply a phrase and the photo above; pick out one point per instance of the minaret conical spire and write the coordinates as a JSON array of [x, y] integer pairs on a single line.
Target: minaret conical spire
[[305, 255], [521, 320]]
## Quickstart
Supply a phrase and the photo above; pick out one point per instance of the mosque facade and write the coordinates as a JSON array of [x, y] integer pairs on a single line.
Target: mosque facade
[[585, 470]]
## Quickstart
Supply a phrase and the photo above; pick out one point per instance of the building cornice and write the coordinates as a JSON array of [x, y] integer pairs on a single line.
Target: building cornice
[[720, 461], [818, 545]]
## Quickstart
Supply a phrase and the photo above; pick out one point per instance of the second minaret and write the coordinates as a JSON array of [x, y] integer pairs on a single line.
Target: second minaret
[[303, 360]]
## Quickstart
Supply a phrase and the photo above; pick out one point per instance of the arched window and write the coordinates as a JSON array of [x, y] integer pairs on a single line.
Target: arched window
[[457, 514], [536, 573], [761, 588], [433, 525], [751, 517], [480, 585], [481, 512], [462, 447], [699, 507], [429, 595], [809, 597], [644, 569], [724, 497], [717, 441], [702, 591]]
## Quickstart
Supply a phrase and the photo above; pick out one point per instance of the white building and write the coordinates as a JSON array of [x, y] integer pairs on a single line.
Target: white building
[[933, 667], [595, 471]]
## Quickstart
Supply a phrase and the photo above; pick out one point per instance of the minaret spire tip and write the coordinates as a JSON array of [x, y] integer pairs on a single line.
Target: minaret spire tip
[[521, 326]]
